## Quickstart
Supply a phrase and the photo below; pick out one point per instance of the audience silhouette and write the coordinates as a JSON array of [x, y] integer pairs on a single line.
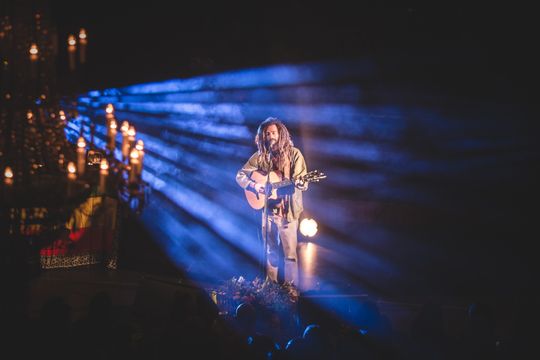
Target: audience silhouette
[[194, 325]]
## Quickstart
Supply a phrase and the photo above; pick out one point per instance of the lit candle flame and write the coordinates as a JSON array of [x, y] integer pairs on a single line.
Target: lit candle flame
[[125, 126], [71, 168], [33, 49], [109, 109], [131, 131], [140, 145], [29, 115], [113, 125], [8, 173], [104, 165], [134, 154], [82, 36], [81, 143], [72, 42]]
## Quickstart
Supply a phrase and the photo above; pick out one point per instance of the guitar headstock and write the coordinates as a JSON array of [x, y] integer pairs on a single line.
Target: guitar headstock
[[314, 176]]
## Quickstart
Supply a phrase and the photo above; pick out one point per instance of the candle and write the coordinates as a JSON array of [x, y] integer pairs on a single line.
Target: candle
[[71, 51], [134, 163], [125, 144], [140, 149], [34, 56], [8, 176], [83, 40], [112, 135], [110, 126], [103, 172], [81, 155], [109, 114], [131, 138], [72, 176]]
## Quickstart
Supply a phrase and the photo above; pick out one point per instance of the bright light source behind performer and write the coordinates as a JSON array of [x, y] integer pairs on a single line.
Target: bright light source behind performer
[[308, 227]]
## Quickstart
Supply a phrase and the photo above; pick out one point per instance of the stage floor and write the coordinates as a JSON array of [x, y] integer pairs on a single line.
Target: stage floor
[[144, 268]]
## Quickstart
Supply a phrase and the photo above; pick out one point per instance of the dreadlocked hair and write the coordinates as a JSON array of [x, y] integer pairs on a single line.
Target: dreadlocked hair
[[285, 142]]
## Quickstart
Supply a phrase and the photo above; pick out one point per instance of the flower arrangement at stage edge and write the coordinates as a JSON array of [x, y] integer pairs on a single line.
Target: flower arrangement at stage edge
[[267, 294]]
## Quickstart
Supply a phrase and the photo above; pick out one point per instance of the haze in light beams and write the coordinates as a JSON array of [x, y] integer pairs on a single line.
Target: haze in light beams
[[401, 163]]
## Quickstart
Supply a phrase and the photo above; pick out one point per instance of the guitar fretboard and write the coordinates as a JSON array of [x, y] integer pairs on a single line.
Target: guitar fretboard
[[314, 175], [281, 184]]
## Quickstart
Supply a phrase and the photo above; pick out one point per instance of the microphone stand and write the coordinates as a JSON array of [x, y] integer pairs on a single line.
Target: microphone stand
[[267, 192]]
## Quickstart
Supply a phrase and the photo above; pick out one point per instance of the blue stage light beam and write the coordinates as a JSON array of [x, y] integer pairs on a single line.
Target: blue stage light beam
[[404, 164]]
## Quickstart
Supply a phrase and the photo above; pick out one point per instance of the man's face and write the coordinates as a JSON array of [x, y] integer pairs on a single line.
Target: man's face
[[272, 135]]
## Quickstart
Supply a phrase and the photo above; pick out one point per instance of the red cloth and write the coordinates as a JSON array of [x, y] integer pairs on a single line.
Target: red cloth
[[92, 235]]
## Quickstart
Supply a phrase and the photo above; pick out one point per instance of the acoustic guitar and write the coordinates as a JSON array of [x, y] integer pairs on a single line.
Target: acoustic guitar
[[276, 181]]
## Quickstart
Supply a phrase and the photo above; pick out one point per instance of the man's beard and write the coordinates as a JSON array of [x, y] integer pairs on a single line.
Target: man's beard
[[271, 145]]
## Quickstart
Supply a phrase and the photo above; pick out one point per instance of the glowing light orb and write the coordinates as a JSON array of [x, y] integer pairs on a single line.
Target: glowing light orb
[[308, 227]]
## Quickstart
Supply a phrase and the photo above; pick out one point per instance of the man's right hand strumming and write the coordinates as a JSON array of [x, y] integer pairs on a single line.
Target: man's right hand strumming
[[258, 188]]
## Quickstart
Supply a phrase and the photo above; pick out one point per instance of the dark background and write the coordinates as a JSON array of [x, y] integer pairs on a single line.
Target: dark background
[[139, 42]]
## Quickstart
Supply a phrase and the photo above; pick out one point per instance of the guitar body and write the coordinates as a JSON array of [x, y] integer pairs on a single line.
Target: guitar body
[[256, 200]]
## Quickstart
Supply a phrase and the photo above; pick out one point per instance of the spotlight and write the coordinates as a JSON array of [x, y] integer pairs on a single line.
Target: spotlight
[[308, 227]]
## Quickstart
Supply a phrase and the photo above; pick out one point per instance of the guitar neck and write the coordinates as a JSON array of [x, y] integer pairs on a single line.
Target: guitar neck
[[309, 177], [281, 184]]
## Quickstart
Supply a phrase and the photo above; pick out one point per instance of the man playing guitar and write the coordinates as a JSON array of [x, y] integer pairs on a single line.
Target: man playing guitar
[[276, 160]]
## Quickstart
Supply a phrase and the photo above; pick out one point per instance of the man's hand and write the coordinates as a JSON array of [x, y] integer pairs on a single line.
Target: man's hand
[[258, 188], [301, 184]]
